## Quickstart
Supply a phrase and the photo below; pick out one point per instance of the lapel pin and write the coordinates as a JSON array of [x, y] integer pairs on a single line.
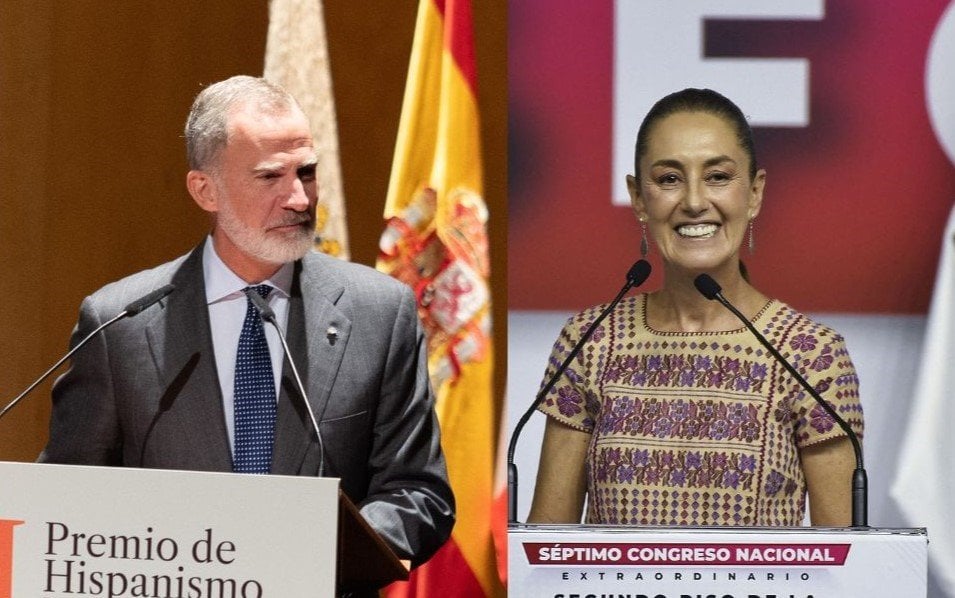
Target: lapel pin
[[331, 334]]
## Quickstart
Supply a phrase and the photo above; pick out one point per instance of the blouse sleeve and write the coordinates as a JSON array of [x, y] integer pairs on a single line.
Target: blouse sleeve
[[572, 400], [820, 355]]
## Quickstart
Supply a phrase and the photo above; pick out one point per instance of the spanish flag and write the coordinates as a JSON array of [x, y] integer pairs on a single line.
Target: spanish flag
[[435, 240]]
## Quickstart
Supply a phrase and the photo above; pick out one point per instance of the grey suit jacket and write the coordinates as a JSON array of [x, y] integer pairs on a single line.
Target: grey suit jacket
[[146, 394]]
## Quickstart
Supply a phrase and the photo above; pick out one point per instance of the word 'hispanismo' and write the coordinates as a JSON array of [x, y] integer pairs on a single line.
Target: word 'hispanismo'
[[70, 574]]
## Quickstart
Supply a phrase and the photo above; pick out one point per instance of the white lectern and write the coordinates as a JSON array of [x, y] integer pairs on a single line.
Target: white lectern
[[112, 532]]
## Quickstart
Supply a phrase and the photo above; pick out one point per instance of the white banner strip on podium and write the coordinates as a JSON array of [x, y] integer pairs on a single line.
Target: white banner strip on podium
[[604, 562]]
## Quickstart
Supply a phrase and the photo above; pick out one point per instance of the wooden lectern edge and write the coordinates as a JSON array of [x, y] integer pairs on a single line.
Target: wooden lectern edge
[[365, 561]]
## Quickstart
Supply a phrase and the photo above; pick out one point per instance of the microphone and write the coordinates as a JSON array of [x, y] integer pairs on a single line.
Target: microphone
[[268, 315], [147, 300], [710, 289], [637, 275], [129, 311]]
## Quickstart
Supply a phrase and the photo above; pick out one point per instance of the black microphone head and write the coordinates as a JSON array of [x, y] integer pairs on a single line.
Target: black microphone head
[[707, 286], [265, 311], [145, 301], [638, 273]]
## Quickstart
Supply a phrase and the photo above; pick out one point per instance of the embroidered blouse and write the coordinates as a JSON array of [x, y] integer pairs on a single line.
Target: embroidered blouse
[[699, 428]]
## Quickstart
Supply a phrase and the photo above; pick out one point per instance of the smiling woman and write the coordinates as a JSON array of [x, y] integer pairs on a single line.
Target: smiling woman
[[673, 414], [696, 193]]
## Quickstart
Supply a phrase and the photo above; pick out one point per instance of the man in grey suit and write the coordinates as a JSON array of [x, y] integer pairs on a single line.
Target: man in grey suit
[[163, 389]]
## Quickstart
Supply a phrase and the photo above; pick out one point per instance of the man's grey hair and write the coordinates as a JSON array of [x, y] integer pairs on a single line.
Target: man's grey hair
[[207, 127]]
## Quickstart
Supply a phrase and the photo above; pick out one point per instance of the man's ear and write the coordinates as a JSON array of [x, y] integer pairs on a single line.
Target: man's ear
[[639, 210], [203, 190]]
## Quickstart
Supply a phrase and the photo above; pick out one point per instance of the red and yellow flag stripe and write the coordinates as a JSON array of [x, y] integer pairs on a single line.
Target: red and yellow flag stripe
[[435, 239]]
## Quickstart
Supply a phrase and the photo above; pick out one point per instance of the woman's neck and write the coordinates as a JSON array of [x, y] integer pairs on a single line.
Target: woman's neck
[[680, 307]]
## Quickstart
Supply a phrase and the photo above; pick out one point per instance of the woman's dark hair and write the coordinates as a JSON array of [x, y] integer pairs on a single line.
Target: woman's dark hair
[[697, 100]]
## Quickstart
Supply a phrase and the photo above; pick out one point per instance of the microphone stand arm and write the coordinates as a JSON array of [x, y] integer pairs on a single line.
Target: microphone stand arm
[[512, 446], [53, 368], [860, 481]]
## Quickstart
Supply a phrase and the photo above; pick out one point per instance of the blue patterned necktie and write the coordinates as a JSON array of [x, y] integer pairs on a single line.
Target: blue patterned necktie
[[254, 394]]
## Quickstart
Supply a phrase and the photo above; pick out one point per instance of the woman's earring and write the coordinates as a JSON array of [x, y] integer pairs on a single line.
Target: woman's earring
[[644, 244], [752, 241]]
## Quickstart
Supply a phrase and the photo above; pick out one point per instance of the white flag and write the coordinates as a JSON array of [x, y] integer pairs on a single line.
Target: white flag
[[296, 57], [924, 487]]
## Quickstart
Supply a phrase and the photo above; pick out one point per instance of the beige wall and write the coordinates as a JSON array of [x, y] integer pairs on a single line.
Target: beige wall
[[93, 94]]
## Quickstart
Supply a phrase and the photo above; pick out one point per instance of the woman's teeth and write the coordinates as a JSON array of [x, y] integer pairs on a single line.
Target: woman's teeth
[[696, 230]]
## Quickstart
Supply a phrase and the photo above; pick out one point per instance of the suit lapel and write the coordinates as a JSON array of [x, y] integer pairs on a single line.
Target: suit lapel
[[181, 345], [317, 334]]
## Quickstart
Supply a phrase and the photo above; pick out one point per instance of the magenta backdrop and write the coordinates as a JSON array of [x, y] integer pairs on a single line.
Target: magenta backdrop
[[856, 202]]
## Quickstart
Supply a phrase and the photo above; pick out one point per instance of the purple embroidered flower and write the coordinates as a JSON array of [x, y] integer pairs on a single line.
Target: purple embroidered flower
[[623, 405], [678, 477], [731, 479], [693, 460], [747, 463], [718, 461], [625, 474], [749, 430], [568, 401], [662, 427], [736, 413], [774, 482], [664, 377], [666, 459], [803, 342], [654, 363], [758, 371], [687, 377], [653, 475], [821, 363], [614, 373], [608, 423], [731, 365], [719, 429], [641, 457], [612, 456], [703, 363], [715, 379], [820, 420], [742, 383], [639, 378]]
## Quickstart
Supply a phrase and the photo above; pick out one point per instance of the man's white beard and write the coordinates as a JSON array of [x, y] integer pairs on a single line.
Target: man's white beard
[[274, 248]]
